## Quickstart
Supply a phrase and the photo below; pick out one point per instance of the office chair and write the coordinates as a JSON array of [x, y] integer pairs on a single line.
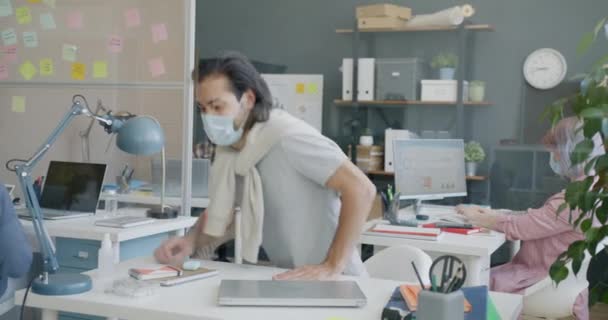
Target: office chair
[[394, 263]]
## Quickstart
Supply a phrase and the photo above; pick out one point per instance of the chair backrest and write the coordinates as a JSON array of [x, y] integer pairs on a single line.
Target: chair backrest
[[395, 263]]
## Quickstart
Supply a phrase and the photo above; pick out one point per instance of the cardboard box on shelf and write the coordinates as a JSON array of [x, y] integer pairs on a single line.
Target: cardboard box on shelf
[[380, 23], [384, 10], [370, 158]]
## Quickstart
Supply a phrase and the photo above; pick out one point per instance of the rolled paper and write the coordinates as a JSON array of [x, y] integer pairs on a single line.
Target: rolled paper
[[448, 17], [468, 10]]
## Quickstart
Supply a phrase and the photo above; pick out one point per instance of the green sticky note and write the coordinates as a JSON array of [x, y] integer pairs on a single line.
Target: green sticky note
[[46, 67], [492, 313], [5, 8], [28, 70], [69, 52], [30, 39], [9, 37], [47, 21], [24, 16], [100, 69], [18, 105], [312, 88]]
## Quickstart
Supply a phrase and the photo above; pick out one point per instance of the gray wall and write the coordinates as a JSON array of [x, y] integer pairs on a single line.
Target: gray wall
[[301, 35]]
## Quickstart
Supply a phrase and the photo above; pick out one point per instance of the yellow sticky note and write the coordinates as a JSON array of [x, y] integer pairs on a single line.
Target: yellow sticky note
[[312, 88], [300, 88], [18, 105], [100, 69], [28, 70], [46, 67], [24, 16], [79, 71]]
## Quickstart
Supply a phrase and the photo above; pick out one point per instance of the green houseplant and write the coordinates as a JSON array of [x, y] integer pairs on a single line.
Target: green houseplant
[[446, 63], [588, 196], [473, 155], [477, 90]]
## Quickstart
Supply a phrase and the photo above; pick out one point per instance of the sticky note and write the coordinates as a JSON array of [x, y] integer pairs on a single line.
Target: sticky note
[[100, 69], [3, 71], [69, 52], [9, 53], [115, 44], [300, 88], [24, 16], [159, 32], [6, 9], [30, 39], [47, 21], [79, 71], [46, 67], [156, 67], [132, 17], [34, 1], [18, 105], [312, 88], [75, 20], [9, 37], [28, 70], [50, 3]]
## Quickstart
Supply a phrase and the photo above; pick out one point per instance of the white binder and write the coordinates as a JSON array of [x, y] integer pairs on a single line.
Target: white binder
[[366, 79], [347, 79], [391, 135]]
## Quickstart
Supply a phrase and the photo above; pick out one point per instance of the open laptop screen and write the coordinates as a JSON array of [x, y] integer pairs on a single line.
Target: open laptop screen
[[73, 186]]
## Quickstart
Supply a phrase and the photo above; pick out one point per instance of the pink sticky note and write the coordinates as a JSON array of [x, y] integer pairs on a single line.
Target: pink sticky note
[[115, 44], [9, 53], [159, 32], [132, 17], [75, 20], [3, 72], [156, 67]]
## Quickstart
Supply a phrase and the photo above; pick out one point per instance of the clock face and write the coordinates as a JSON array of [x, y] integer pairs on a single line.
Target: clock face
[[545, 68]]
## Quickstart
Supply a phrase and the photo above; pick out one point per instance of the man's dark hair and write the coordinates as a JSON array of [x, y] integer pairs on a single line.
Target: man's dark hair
[[242, 76]]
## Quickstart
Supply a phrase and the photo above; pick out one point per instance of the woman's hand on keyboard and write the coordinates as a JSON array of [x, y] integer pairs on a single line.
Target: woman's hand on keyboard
[[478, 216]]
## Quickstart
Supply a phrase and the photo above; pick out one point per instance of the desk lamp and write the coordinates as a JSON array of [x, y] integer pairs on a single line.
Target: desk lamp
[[141, 135]]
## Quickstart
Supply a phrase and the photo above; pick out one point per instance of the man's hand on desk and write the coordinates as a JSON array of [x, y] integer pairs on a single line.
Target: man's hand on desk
[[174, 251], [481, 217], [322, 271]]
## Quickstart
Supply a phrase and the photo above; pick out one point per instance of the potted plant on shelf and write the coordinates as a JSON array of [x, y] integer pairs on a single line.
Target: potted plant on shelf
[[477, 91], [473, 155], [446, 64]]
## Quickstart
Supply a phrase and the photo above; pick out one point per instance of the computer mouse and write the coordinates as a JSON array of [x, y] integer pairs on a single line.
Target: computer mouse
[[191, 265]]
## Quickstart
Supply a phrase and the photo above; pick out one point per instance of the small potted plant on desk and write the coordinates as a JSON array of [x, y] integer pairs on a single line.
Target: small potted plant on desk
[[446, 63], [473, 155]]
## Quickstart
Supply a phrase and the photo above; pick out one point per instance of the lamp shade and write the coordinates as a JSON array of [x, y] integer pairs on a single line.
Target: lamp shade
[[141, 136]]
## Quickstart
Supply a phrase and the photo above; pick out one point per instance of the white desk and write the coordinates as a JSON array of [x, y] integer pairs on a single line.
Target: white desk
[[143, 198], [197, 300], [85, 228], [475, 249]]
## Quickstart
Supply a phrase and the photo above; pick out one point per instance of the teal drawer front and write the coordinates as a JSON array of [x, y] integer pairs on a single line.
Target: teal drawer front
[[75, 253], [76, 316], [142, 247]]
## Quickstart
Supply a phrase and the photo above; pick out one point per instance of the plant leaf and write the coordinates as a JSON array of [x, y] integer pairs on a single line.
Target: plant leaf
[[592, 113], [581, 151], [598, 27], [585, 44], [576, 264], [590, 165], [585, 225], [602, 213], [558, 272]]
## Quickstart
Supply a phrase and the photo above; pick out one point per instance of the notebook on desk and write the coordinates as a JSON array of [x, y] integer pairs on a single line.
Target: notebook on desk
[[71, 190]]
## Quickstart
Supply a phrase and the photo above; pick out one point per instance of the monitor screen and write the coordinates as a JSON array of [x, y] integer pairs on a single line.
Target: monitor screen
[[429, 169], [72, 186]]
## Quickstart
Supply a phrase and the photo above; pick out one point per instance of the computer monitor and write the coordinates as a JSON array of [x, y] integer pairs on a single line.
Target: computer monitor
[[72, 186], [429, 169]]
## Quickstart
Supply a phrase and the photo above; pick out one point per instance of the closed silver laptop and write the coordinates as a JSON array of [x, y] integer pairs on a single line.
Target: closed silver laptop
[[291, 293]]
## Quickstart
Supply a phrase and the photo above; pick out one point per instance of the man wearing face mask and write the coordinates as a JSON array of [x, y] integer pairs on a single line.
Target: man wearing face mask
[[302, 200], [544, 234]]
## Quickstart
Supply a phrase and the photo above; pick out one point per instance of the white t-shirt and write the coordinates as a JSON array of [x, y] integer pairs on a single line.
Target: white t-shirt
[[301, 213]]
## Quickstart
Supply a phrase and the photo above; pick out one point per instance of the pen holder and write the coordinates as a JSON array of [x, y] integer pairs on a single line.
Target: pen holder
[[440, 306], [123, 184]]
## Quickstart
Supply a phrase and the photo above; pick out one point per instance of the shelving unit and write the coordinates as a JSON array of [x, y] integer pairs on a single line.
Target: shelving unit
[[475, 27], [401, 103]]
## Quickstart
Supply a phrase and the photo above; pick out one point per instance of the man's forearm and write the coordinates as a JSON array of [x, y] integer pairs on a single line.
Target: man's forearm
[[355, 209]]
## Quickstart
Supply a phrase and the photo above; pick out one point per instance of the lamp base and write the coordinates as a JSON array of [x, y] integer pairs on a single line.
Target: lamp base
[[162, 213], [61, 284]]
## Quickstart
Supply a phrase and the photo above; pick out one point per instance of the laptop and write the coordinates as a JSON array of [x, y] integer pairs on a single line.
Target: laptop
[[290, 293], [173, 181], [71, 190]]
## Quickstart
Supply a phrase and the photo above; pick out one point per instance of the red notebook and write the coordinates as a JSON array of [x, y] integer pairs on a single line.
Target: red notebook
[[454, 230]]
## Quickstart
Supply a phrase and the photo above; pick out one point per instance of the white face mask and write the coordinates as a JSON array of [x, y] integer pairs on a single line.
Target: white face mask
[[555, 166], [220, 129]]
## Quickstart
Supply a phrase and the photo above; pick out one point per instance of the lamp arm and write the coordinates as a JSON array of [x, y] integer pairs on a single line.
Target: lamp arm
[[24, 175], [84, 134]]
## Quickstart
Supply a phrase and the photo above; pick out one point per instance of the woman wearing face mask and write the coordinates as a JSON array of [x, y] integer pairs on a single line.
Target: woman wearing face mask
[[301, 198], [544, 235]]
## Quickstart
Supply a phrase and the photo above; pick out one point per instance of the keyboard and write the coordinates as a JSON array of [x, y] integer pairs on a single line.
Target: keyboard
[[124, 222], [436, 213]]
